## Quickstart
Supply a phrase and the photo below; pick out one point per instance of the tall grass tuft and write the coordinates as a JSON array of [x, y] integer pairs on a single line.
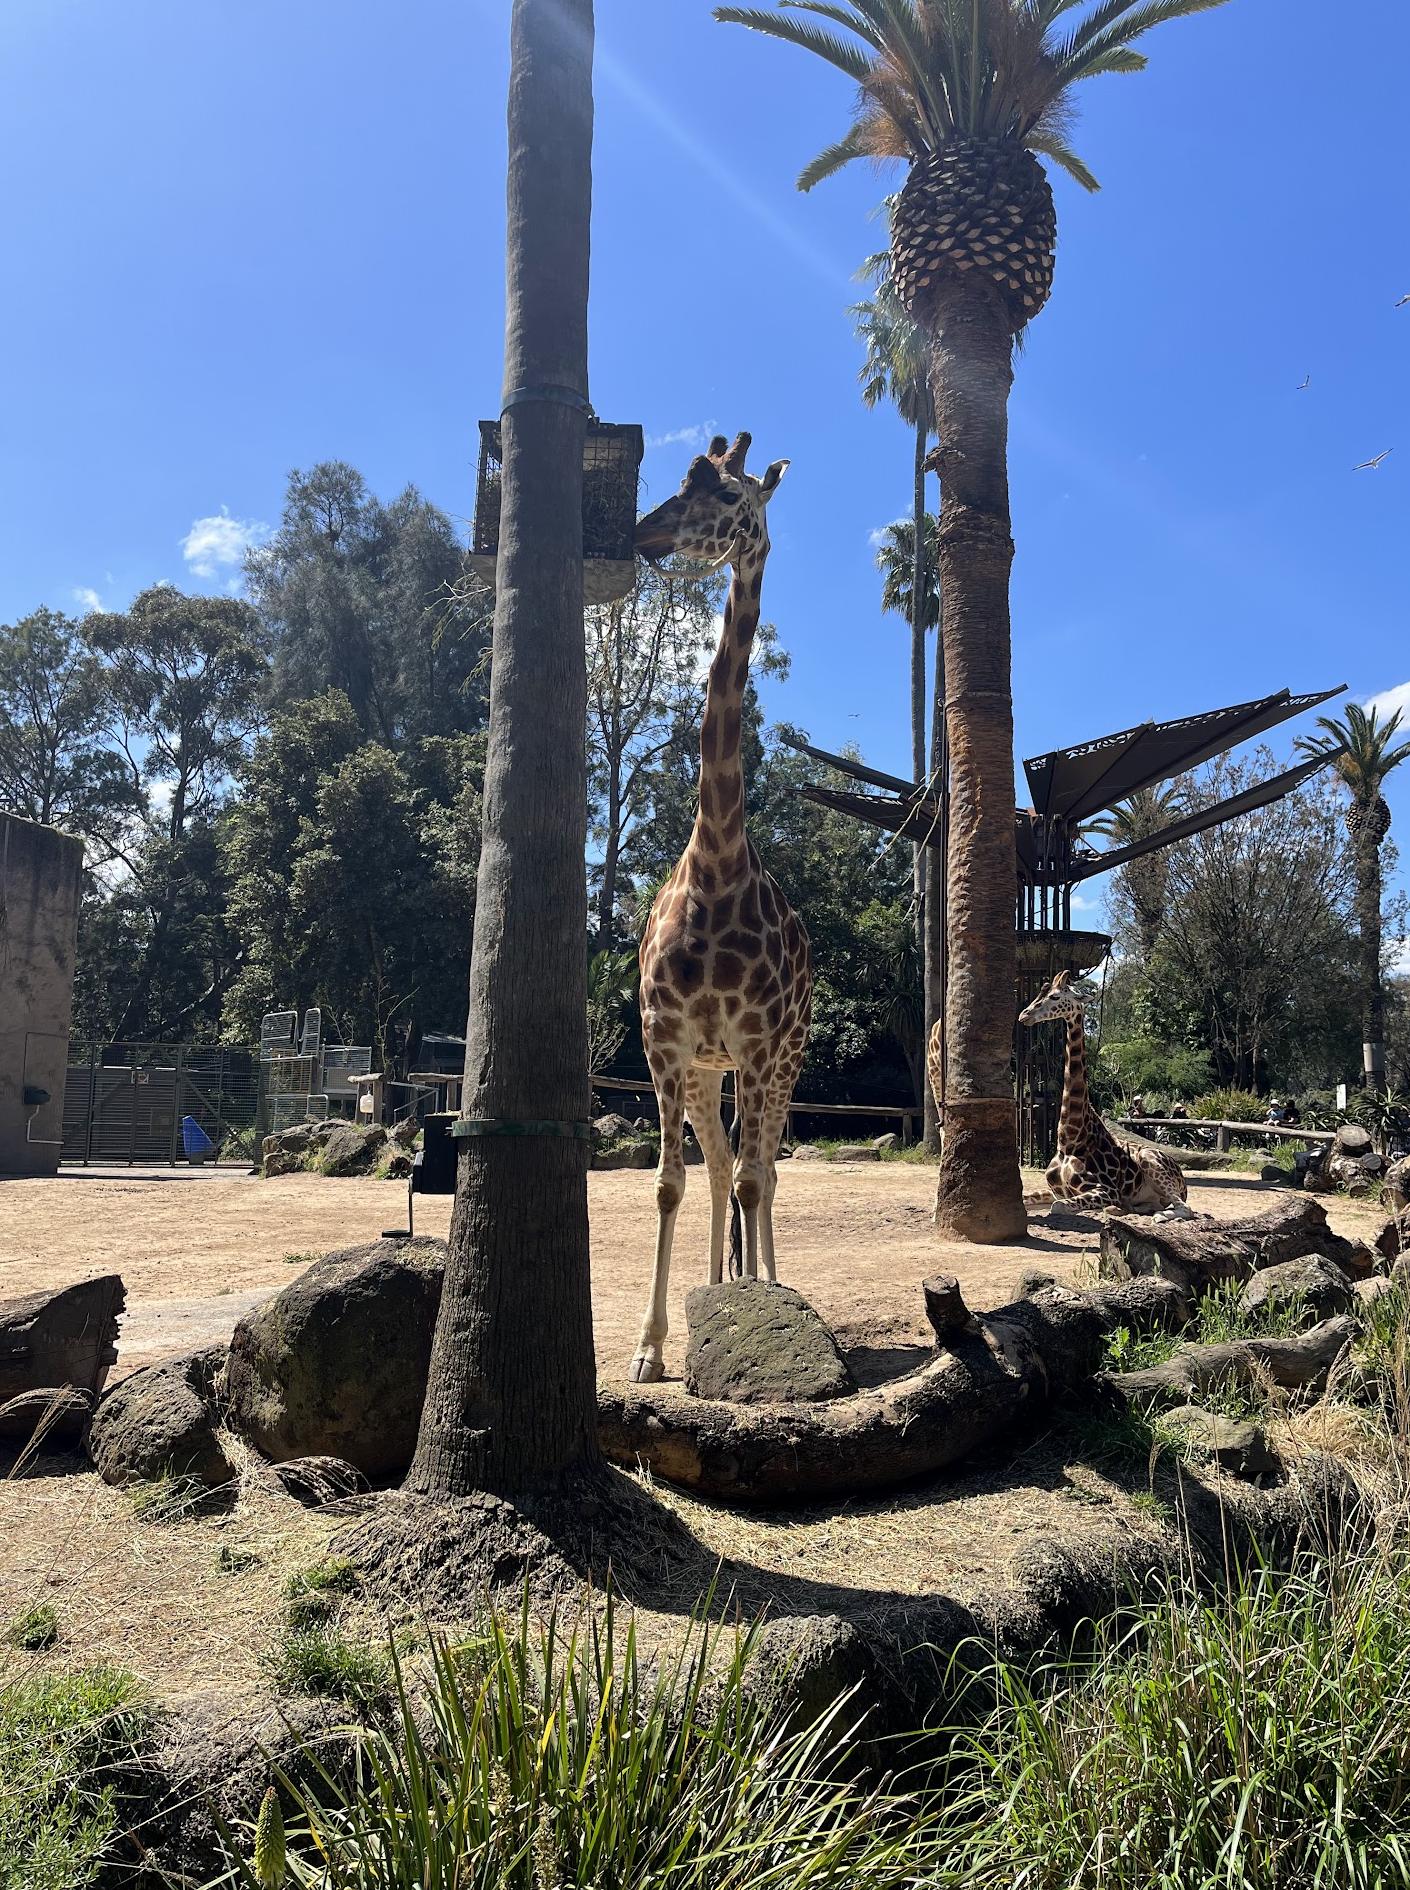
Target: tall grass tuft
[[547, 1757], [1257, 1740]]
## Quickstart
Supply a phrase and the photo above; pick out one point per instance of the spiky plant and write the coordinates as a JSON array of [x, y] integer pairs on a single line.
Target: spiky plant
[[1364, 751], [972, 94]]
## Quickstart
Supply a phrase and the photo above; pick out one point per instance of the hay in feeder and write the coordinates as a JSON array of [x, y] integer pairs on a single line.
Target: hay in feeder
[[611, 458]]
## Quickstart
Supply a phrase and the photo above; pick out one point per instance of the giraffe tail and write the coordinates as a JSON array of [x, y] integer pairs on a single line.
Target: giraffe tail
[[736, 1226]]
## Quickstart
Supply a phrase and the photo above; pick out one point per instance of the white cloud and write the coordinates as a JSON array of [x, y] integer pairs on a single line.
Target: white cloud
[[698, 437], [217, 543], [877, 537], [1389, 700], [85, 595]]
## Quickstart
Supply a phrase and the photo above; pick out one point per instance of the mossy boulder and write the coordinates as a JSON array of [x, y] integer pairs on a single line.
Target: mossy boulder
[[336, 1364], [161, 1421]]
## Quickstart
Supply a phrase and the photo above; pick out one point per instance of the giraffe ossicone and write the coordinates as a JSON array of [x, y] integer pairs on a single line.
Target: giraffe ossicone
[[726, 974], [1092, 1168]]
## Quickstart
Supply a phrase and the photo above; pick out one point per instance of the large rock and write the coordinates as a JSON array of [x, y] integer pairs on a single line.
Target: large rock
[[627, 1155], [63, 1338], [161, 1421], [856, 1152], [1235, 1444], [1313, 1287], [336, 1364], [752, 1342], [1397, 1186], [1352, 1140], [314, 1481], [351, 1150]]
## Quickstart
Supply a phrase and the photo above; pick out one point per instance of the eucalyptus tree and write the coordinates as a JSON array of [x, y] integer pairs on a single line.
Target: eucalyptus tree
[[1366, 751], [971, 94], [1143, 881]]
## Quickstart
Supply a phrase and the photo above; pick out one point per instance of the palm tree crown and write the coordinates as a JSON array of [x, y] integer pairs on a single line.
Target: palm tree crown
[[931, 71], [1366, 756], [894, 367], [895, 559]]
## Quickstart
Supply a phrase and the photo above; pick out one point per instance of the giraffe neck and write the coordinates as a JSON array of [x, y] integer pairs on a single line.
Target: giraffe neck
[[1072, 1122], [718, 840]]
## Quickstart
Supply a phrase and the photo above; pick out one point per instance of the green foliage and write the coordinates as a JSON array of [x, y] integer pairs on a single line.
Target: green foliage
[[63, 1737], [555, 1757], [1254, 1740], [314, 1596], [1229, 1105], [1385, 1112], [169, 1498], [34, 1629], [1143, 1066], [320, 1659], [924, 72], [611, 990]]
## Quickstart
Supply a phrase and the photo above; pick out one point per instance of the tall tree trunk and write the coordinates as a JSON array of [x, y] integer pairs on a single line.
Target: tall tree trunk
[[918, 588], [511, 1400], [935, 901], [979, 1194], [1368, 925], [611, 854]]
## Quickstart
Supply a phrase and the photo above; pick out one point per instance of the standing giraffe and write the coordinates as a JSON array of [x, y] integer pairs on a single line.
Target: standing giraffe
[[1091, 1167], [726, 982]]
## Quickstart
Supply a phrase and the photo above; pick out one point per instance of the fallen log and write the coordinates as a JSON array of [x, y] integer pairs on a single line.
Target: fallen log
[[63, 1338], [1199, 1254], [1297, 1364], [990, 1373]]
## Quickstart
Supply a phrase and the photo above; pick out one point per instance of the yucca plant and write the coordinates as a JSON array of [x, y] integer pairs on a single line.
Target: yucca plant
[[971, 94], [1365, 751], [539, 1758]]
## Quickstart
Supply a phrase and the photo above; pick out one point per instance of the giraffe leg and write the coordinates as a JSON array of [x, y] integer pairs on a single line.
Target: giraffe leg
[[702, 1105], [649, 1363], [775, 1116], [750, 1165]]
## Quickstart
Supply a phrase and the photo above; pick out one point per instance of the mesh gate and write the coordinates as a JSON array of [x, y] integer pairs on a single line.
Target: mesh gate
[[128, 1102]]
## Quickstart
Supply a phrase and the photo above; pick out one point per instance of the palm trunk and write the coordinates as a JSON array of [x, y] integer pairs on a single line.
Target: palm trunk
[[611, 855], [979, 1195], [511, 1399], [1368, 925], [935, 902], [918, 586]]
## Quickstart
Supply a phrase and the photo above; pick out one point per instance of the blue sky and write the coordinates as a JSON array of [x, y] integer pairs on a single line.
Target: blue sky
[[244, 237]]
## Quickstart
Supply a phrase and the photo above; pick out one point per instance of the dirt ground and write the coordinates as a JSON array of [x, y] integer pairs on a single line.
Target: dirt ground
[[197, 1248]]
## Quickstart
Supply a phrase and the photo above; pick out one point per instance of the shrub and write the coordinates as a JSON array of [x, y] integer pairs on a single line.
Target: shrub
[[548, 1758], [62, 1739], [1257, 1740], [1146, 1067], [314, 1595]]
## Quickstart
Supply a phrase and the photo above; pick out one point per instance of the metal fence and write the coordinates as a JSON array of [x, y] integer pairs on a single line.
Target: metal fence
[[130, 1102]]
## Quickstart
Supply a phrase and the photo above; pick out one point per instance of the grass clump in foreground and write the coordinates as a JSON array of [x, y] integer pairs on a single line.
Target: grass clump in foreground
[[322, 1659], [1257, 1739], [314, 1596], [547, 1757], [62, 1739]]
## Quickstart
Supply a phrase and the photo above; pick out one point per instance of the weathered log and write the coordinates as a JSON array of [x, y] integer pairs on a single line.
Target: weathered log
[[63, 1338], [1297, 1364], [1198, 1254], [945, 1307], [1146, 1304], [983, 1381]]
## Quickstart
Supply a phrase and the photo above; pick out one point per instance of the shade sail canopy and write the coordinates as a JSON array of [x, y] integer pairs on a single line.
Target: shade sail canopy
[[1263, 795], [1073, 784]]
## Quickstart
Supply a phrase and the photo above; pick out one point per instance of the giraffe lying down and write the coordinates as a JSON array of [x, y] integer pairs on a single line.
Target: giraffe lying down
[[1092, 1168]]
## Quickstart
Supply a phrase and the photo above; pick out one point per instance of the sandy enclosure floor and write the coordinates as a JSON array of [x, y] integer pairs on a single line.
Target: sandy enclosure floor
[[198, 1248]]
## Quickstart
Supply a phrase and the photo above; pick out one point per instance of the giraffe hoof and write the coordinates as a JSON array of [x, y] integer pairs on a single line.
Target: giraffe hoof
[[646, 1370]]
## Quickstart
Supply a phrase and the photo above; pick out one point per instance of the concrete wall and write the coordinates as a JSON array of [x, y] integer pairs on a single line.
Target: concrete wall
[[40, 871]]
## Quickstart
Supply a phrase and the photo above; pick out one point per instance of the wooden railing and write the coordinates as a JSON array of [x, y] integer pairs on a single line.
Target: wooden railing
[[907, 1114], [1224, 1132]]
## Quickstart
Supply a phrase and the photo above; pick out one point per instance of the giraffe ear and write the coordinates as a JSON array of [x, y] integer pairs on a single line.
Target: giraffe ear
[[768, 485]]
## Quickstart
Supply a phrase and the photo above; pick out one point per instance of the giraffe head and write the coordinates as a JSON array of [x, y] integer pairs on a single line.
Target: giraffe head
[[1062, 1000], [718, 514]]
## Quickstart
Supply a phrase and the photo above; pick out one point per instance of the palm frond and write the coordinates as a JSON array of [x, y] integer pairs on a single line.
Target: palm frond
[[1049, 145], [1126, 24], [839, 15], [831, 160], [849, 59]]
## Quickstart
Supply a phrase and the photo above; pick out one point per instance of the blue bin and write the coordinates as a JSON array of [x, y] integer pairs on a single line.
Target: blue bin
[[195, 1141]]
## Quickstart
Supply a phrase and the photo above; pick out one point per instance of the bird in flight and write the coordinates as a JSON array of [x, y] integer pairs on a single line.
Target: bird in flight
[[1403, 300], [1370, 465], [1304, 382]]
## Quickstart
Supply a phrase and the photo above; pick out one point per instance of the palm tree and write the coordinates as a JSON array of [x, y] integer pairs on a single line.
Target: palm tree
[[511, 1400], [1146, 812], [971, 93], [1364, 756]]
